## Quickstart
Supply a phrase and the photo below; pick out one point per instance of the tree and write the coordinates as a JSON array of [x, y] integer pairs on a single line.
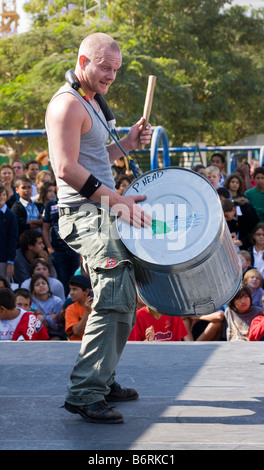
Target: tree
[[207, 59], [26, 86], [217, 51]]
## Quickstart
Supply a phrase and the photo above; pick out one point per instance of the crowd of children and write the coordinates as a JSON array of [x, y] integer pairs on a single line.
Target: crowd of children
[[45, 295]]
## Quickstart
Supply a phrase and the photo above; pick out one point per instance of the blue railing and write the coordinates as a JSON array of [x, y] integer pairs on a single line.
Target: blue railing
[[232, 152], [160, 135], [23, 133]]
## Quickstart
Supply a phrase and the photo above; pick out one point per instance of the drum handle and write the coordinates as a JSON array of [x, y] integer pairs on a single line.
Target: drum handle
[[206, 306]]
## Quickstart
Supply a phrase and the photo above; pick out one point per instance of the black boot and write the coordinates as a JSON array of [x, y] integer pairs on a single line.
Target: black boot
[[121, 394], [99, 412]]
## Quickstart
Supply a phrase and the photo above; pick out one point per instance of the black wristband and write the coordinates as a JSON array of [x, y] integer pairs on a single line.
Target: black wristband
[[90, 186]]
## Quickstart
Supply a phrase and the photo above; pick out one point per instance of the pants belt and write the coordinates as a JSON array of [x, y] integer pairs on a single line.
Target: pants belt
[[67, 210]]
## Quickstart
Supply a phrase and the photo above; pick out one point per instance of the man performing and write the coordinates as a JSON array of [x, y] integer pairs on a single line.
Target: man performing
[[88, 207]]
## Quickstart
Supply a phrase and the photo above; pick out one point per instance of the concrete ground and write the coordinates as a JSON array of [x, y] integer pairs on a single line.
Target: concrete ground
[[193, 396]]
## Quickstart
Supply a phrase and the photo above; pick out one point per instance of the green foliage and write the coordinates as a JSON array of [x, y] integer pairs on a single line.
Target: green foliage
[[208, 62]]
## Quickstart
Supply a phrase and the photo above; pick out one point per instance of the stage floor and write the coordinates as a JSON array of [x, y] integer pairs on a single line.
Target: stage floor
[[193, 396]]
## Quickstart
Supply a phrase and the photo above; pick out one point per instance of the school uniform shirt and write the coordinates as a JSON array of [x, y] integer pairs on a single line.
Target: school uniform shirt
[[243, 223], [24, 212], [25, 327], [9, 235], [31, 209], [167, 328], [222, 180], [258, 261]]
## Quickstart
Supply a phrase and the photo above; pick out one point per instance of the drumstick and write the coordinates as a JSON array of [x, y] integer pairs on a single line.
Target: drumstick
[[148, 102]]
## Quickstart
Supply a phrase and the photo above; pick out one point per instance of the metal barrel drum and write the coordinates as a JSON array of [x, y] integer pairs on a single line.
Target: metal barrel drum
[[186, 262]]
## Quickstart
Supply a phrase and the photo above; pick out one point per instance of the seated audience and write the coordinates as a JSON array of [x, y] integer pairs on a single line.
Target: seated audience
[[120, 166], [223, 193], [254, 280], [255, 195], [43, 159], [28, 212], [205, 327], [23, 299], [7, 176], [77, 313], [122, 183], [235, 186], [253, 165], [8, 236], [244, 171], [49, 306], [241, 219], [239, 314], [256, 330], [153, 326], [32, 170], [245, 258], [257, 247], [41, 266], [4, 282], [19, 169], [47, 193], [218, 160], [64, 259], [31, 246], [199, 168], [212, 173], [17, 324]]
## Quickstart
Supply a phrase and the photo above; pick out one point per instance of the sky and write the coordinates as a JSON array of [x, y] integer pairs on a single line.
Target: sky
[[24, 22], [255, 3]]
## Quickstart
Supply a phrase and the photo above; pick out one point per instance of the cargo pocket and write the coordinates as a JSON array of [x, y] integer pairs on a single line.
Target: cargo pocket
[[65, 228], [114, 288]]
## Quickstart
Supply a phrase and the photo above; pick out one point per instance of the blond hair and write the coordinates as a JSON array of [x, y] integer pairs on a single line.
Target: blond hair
[[253, 271], [211, 169]]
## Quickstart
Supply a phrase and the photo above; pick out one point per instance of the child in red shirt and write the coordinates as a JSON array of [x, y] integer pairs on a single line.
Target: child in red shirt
[[153, 326], [17, 324]]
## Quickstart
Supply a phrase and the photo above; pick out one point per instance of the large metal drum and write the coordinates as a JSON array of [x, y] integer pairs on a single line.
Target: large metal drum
[[186, 263]]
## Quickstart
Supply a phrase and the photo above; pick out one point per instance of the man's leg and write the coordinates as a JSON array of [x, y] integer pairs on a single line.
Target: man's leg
[[113, 309], [102, 346]]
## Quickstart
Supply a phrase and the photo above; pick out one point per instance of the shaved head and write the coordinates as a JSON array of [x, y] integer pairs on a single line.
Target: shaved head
[[98, 61], [94, 45]]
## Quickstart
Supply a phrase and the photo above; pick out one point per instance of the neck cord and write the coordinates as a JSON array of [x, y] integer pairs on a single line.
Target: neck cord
[[80, 91], [75, 84]]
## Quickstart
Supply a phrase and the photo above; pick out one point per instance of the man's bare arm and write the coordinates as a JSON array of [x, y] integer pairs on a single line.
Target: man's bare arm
[[67, 121]]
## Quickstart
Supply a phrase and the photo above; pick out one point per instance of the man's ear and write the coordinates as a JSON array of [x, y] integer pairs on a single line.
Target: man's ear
[[82, 61]]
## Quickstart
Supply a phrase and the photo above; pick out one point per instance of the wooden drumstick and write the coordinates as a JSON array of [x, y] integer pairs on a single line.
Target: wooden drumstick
[[148, 102]]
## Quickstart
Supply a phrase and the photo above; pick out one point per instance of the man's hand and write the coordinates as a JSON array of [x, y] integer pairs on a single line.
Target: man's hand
[[136, 136], [131, 212]]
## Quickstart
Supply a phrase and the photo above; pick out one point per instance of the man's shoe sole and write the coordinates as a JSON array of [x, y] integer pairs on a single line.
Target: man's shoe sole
[[78, 410]]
